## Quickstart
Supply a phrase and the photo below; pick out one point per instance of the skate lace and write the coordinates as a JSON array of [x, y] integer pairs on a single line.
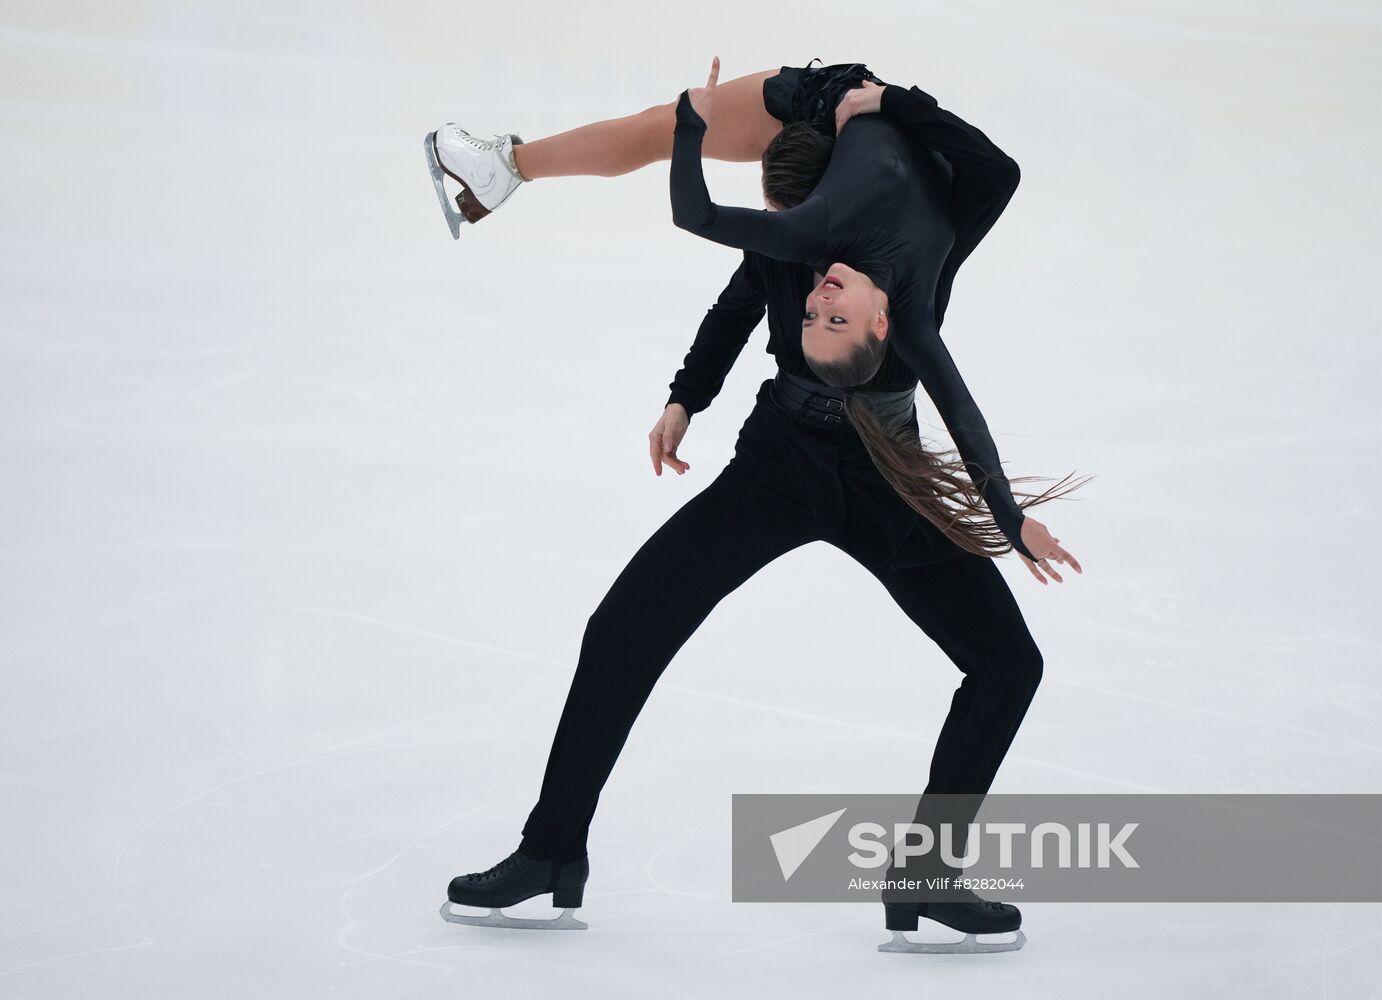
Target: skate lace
[[484, 145], [988, 904], [502, 868]]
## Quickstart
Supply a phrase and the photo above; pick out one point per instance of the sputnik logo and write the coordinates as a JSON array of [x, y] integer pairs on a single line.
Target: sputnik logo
[[795, 844]]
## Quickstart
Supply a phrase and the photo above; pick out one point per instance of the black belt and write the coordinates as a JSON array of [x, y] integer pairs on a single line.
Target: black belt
[[820, 405]]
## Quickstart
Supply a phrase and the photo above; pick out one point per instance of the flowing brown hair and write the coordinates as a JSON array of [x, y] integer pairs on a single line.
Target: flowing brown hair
[[938, 486]]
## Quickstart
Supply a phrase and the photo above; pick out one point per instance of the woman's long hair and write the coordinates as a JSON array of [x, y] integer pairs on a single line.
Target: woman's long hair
[[940, 488]]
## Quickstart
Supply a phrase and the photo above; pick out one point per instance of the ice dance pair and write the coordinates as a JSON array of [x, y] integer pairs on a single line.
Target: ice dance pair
[[876, 196]]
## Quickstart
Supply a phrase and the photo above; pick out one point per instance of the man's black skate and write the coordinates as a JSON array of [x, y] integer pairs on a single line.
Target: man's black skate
[[973, 916], [516, 878]]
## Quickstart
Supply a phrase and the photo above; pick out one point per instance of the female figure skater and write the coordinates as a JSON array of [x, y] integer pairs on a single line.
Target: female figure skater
[[743, 120], [873, 250], [799, 474]]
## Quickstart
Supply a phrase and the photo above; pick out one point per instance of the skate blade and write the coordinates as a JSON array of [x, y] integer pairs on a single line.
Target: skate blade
[[434, 167], [969, 945], [497, 918]]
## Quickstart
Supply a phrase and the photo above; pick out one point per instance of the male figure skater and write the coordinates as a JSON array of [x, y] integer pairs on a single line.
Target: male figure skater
[[800, 473]]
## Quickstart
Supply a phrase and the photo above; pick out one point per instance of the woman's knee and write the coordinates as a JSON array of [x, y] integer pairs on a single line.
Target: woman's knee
[[660, 119]]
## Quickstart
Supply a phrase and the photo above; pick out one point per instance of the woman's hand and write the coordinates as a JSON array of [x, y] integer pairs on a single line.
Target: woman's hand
[[665, 438], [703, 98], [1040, 543], [866, 99]]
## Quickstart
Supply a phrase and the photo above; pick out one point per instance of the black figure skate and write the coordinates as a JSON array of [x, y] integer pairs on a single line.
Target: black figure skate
[[972, 916], [516, 878]]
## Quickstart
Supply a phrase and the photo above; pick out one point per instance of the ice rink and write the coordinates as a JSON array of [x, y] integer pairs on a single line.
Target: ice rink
[[305, 505]]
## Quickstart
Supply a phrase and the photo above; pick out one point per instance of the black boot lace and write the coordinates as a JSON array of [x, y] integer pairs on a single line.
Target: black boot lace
[[513, 862]]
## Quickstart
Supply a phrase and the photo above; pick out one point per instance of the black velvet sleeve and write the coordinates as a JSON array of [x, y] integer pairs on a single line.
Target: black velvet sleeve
[[983, 176], [720, 339], [943, 383], [797, 235]]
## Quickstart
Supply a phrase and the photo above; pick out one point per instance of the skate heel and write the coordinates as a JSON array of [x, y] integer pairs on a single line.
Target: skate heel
[[900, 917], [470, 206], [564, 899]]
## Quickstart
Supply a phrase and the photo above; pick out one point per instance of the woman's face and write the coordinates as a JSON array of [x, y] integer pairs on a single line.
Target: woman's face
[[840, 311]]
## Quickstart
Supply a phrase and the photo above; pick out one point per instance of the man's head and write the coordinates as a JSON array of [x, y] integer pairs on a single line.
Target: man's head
[[845, 329], [794, 163]]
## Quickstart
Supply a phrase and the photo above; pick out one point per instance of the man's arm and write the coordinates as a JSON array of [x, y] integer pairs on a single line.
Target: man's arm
[[984, 177], [796, 235], [941, 379], [720, 339]]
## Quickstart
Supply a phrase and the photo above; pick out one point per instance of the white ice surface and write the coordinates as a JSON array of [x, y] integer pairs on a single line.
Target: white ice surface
[[305, 506]]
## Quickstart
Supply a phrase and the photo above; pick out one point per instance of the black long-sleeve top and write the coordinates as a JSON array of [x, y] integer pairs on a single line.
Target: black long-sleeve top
[[886, 209]]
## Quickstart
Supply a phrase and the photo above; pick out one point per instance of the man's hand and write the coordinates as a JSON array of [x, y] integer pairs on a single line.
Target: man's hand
[[865, 99], [703, 98], [1040, 543], [665, 437]]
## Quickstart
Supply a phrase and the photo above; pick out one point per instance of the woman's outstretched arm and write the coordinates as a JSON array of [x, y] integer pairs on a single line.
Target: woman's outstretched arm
[[797, 235], [930, 359]]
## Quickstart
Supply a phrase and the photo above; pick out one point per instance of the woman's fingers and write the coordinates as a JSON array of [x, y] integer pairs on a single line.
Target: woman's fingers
[[703, 98], [1034, 570], [1044, 567], [1054, 551]]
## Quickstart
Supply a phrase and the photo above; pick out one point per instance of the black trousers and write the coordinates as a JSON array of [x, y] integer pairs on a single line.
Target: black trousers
[[787, 485]]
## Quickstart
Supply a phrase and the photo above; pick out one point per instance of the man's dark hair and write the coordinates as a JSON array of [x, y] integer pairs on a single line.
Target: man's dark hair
[[855, 368], [794, 163]]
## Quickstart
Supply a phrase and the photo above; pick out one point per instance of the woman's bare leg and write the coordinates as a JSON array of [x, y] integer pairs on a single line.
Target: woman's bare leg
[[741, 132]]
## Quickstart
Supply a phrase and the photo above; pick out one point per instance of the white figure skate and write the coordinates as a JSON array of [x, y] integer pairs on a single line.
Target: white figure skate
[[484, 168]]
